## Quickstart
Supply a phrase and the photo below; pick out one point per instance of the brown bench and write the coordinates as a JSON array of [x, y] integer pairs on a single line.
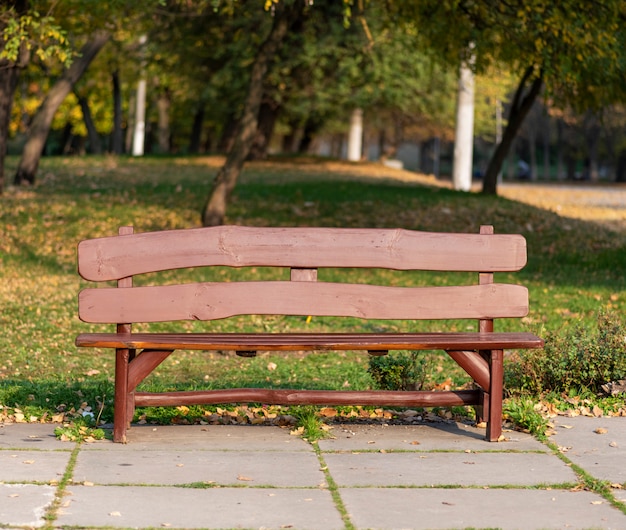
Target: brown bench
[[303, 251]]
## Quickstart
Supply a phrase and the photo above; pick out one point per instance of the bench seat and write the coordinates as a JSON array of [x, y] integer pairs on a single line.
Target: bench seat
[[310, 341]]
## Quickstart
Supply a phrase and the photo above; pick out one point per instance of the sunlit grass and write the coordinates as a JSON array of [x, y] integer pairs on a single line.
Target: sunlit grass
[[575, 267]]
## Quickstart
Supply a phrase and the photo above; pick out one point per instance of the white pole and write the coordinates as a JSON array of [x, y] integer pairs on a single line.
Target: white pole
[[464, 135], [355, 137], [140, 119], [140, 110]]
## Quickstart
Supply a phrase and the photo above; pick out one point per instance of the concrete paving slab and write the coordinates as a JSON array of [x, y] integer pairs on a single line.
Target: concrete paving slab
[[426, 437], [598, 445], [24, 504], [167, 507], [428, 469], [518, 509], [207, 437], [32, 466], [31, 436], [256, 468]]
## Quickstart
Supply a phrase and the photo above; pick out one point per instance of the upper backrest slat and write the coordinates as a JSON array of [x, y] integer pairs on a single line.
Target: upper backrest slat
[[112, 258]]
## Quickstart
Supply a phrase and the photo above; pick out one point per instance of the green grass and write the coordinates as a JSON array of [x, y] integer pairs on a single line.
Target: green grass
[[575, 268]]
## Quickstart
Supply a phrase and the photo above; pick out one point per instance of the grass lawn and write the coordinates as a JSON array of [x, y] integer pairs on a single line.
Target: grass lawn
[[575, 266]]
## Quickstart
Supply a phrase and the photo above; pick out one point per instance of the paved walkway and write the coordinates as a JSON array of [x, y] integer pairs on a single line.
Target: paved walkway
[[368, 476]]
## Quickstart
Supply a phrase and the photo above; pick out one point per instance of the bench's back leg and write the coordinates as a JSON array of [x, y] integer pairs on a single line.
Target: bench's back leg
[[122, 402], [496, 388]]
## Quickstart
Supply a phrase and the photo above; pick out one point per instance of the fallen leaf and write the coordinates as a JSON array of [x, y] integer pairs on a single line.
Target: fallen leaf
[[28, 462], [613, 444], [597, 411], [566, 426], [244, 479], [601, 430], [597, 502], [272, 366], [115, 514]]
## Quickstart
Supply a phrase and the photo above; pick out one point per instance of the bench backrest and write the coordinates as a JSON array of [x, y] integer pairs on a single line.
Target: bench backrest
[[303, 250]]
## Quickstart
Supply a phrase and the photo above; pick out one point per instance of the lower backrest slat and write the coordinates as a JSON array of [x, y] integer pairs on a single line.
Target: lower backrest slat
[[210, 301]]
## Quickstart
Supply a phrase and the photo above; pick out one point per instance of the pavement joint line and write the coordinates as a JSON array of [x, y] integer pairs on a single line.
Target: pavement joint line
[[537, 487], [52, 510], [432, 451], [192, 485], [591, 483], [334, 489]]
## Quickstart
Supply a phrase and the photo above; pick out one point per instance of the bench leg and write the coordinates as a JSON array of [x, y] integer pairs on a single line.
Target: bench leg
[[496, 388], [121, 419]]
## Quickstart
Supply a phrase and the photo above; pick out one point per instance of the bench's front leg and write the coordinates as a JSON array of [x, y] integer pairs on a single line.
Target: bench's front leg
[[496, 388], [122, 415]]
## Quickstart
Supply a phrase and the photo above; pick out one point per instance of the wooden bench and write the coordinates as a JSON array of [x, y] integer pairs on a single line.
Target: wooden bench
[[303, 251]]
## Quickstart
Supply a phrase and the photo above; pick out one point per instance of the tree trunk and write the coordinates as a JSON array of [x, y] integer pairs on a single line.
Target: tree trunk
[[95, 145], [163, 127], [118, 138], [196, 129], [546, 146], [214, 210], [560, 172], [520, 106], [592, 136], [268, 114], [40, 127], [9, 76], [8, 85], [532, 152]]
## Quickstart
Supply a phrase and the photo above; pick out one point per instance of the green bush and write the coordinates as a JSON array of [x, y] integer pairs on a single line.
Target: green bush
[[399, 371], [578, 360], [523, 413]]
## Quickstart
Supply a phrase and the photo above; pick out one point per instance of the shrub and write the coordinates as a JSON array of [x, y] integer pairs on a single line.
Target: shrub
[[525, 415], [399, 371], [573, 360]]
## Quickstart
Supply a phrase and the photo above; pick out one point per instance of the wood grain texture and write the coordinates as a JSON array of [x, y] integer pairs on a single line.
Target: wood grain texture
[[210, 301], [310, 341], [111, 258], [313, 397]]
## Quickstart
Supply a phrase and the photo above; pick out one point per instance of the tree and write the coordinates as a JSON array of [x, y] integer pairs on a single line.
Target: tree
[[573, 48], [24, 33], [38, 131], [214, 210], [9, 68]]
